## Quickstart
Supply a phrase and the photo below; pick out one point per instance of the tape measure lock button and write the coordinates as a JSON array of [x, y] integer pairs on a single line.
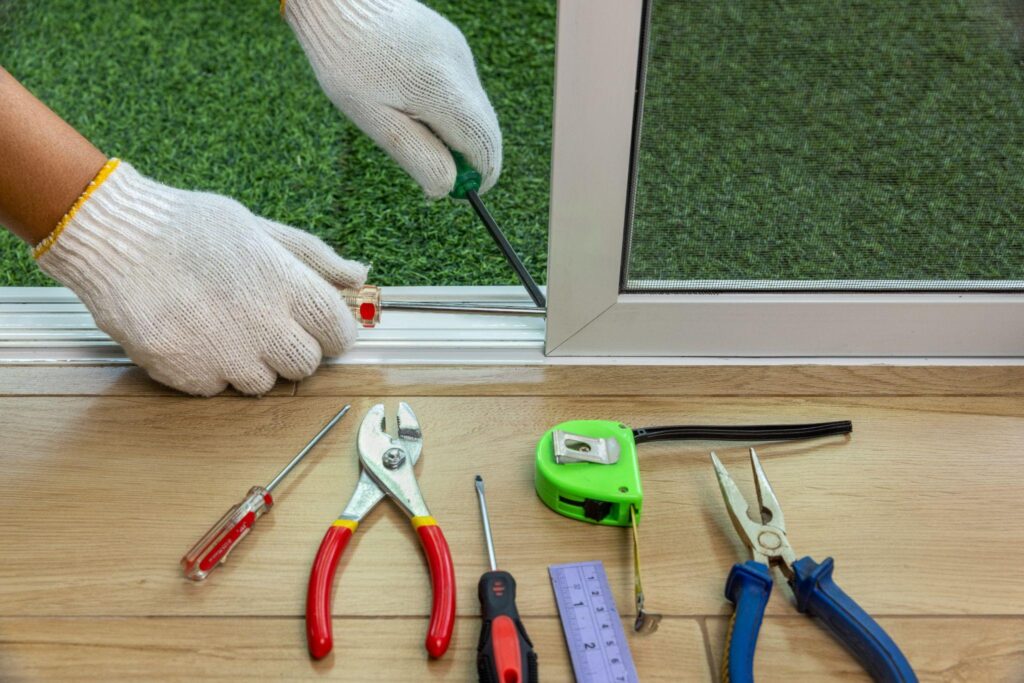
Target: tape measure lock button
[[593, 510]]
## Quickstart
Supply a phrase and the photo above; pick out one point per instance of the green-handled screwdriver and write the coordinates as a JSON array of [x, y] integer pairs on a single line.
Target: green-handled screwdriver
[[467, 186], [505, 653]]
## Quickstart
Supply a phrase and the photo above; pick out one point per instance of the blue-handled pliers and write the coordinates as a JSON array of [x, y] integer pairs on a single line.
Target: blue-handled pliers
[[750, 585]]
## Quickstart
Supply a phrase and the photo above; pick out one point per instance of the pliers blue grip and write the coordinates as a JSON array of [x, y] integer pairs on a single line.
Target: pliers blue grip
[[750, 584], [818, 595]]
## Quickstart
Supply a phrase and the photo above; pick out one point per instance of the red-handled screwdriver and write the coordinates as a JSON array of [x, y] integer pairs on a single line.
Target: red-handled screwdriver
[[220, 540], [505, 653]]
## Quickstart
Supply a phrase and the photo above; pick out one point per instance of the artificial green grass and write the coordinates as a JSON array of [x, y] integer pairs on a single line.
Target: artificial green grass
[[217, 95], [814, 140]]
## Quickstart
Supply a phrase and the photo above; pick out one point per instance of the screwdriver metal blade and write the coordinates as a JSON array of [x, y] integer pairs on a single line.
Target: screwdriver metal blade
[[506, 249], [306, 449], [487, 522]]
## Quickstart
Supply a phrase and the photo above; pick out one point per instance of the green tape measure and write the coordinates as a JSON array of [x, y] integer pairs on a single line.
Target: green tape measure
[[587, 470]]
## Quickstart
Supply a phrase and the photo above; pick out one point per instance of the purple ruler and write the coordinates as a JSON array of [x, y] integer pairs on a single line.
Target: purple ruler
[[593, 630]]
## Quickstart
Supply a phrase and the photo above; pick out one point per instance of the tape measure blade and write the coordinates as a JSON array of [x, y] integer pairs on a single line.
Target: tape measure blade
[[591, 624]]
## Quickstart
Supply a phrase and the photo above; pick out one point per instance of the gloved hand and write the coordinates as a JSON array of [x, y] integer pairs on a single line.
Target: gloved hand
[[405, 75], [198, 290]]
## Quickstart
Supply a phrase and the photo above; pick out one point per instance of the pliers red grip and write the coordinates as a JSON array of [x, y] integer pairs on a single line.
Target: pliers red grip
[[387, 468]]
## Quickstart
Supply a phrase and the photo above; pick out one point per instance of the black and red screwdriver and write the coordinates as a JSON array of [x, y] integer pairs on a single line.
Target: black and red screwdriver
[[505, 653]]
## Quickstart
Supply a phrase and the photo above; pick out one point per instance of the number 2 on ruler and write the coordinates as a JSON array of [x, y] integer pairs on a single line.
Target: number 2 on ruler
[[593, 631]]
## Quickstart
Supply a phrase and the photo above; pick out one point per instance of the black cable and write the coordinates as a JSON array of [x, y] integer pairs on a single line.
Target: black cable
[[742, 432]]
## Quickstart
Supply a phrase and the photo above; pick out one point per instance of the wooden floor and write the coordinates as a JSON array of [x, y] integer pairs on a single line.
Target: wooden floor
[[107, 479]]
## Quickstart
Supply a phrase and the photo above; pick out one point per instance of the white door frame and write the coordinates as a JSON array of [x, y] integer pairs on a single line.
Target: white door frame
[[598, 61]]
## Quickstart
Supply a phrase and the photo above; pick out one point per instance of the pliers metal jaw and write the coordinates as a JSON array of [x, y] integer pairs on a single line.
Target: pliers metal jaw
[[766, 541], [388, 460], [749, 587], [386, 469]]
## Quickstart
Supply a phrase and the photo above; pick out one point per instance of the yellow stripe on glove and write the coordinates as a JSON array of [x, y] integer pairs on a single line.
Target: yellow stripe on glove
[[51, 239]]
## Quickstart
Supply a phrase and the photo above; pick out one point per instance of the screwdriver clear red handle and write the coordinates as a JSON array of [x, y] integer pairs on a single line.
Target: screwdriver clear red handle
[[214, 547]]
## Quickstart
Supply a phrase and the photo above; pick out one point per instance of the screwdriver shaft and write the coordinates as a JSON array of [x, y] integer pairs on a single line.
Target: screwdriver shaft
[[305, 451], [510, 254], [487, 522]]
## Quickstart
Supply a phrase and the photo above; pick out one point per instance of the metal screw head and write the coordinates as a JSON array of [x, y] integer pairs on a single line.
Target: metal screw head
[[393, 458]]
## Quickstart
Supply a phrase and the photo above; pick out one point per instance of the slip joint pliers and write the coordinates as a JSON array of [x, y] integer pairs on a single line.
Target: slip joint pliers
[[386, 469]]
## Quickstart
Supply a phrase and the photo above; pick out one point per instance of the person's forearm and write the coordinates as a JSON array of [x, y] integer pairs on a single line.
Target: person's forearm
[[45, 164]]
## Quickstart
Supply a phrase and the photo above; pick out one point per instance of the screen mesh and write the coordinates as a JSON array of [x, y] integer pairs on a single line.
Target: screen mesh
[[874, 144]]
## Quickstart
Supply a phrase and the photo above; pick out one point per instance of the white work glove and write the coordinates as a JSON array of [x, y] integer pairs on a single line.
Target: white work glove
[[199, 291], [405, 75]]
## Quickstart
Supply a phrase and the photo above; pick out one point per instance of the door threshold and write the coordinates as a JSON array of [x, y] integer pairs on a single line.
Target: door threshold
[[50, 326]]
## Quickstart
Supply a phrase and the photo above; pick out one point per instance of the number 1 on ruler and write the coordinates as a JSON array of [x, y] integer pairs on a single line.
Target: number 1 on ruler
[[593, 632]]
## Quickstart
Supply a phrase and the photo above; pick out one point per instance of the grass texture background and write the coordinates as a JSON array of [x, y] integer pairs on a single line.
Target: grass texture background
[[815, 140], [798, 140], [217, 95]]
